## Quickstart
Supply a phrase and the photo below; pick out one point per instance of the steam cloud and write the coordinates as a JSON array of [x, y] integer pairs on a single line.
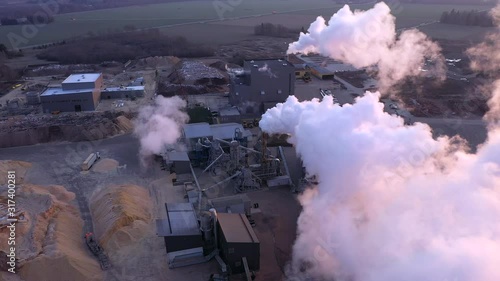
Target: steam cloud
[[486, 57], [367, 38], [159, 126], [392, 202], [267, 69]]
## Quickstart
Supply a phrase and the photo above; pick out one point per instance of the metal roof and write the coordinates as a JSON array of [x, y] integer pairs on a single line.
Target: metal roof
[[271, 63], [60, 91], [231, 111], [226, 131], [197, 130], [123, 89], [236, 228], [177, 156], [235, 203], [181, 220], [82, 78]]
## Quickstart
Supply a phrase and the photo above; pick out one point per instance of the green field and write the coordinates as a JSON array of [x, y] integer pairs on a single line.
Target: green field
[[78, 24], [75, 25]]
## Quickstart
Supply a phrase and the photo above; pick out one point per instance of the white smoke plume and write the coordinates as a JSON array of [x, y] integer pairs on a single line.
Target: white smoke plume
[[392, 202], [368, 38], [159, 126], [485, 57], [267, 69]]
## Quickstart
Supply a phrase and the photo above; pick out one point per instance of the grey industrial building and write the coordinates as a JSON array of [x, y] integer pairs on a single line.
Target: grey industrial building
[[123, 92], [79, 92], [237, 240], [180, 229], [192, 132], [261, 85]]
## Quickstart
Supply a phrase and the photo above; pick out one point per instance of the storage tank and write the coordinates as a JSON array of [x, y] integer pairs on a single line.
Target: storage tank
[[206, 225], [32, 98]]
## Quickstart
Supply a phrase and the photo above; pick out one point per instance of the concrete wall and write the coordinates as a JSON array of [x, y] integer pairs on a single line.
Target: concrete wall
[[68, 102]]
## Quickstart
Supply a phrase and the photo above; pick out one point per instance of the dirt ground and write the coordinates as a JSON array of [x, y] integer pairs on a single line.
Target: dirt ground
[[146, 258]]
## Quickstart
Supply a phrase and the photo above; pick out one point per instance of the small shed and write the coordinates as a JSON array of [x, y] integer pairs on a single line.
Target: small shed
[[228, 115], [180, 229], [237, 240], [179, 161]]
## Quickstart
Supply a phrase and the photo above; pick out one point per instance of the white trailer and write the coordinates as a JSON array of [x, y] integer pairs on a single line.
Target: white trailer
[[87, 164]]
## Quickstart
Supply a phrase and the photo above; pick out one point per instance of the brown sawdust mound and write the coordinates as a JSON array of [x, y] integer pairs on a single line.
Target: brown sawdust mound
[[105, 165], [20, 167], [125, 124], [119, 213], [50, 244]]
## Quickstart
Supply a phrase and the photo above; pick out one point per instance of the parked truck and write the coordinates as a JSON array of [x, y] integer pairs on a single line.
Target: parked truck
[[87, 164]]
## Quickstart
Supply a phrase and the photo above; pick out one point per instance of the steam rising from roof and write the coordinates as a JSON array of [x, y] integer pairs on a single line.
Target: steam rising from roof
[[368, 38], [392, 202], [159, 125]]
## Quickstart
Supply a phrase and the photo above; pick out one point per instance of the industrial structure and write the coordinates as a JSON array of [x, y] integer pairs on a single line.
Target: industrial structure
[[207, 227], [79, 92], [192, 133], [260, 85], [322, 67], [123, 92]]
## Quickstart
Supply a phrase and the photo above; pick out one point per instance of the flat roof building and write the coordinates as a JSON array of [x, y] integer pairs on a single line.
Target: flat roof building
[[237, 240], [261, 81], [78, 92], [82, 81], [180, 229], [122, 92]]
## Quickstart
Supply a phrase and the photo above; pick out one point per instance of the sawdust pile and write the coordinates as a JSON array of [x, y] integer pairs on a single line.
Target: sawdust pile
[[120, 213], [10, 165], [50, 244], [124, 124], [105, 165]]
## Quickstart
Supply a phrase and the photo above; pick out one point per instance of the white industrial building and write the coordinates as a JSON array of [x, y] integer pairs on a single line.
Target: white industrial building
[[78, 92]]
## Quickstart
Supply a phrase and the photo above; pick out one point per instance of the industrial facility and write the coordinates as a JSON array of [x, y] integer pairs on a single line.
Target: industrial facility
[[207, 226], [82, 92], [79, 92], [122, 92], [260, 85]]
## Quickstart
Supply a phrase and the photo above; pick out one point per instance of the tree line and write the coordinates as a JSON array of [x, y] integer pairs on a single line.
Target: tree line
[[123, 47], [30, 19], [275, 30], [470, 18]]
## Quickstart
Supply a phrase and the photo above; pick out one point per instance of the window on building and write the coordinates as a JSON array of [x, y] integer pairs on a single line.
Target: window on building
[[279, 91], [236, 93], [262, 92]]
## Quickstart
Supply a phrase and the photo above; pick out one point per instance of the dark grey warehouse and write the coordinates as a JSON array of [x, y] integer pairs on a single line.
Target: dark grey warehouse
[[261, 85]]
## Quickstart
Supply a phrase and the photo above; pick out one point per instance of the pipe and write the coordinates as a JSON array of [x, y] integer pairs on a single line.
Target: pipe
[[211, 164], [198, 186], [214, 215], [223, 181], [246, 148]]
